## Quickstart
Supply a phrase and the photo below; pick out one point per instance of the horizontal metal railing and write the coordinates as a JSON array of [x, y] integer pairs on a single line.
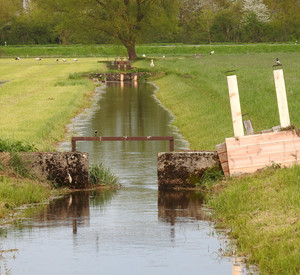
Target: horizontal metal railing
[[123, 138]]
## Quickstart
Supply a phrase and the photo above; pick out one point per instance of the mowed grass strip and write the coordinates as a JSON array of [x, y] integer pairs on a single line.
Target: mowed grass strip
[[38, 99]]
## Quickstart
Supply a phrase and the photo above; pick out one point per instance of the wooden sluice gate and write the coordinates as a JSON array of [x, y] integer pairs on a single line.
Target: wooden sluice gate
[[249, 153]]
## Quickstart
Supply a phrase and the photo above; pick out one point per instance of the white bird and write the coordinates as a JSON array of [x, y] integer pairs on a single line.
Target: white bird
[[152, 63], [70, 198], [212, 52], [144, 55], [17, 58], [75, 59], [38, 59], [164, 57], [277, 61], [64, 60]]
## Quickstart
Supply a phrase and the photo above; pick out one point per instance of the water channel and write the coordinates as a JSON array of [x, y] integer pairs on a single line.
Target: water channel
[[133, 230]]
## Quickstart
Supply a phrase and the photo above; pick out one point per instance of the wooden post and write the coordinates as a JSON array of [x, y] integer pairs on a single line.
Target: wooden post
[[235, 106], [281, 98], [73, 145]]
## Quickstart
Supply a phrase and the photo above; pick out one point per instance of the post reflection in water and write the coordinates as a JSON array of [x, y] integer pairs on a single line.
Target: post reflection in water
[[135, 230], [174, 205], [72, 210]]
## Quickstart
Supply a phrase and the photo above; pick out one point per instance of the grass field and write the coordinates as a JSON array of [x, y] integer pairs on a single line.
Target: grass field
[[195, 89], [39, 98], [154, 50]]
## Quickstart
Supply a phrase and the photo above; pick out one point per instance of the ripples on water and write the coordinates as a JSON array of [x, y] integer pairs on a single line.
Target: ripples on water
[[135, 230]]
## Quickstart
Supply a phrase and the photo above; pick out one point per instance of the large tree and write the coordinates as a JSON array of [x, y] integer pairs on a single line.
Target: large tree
[[126, 20]]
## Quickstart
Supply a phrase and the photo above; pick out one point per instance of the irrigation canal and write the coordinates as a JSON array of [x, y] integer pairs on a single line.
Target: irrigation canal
[[134, 230]]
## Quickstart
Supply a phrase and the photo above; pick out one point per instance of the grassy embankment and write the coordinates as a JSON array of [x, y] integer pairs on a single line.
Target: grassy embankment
[[37, 100], [195, 90], [261, 211]]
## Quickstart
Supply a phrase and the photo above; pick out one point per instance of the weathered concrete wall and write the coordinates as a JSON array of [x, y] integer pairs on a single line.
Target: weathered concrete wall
[[183, 169], [70, 169]]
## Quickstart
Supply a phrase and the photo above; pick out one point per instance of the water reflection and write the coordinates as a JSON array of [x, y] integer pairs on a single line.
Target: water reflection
[[174, 205], [72, 210]]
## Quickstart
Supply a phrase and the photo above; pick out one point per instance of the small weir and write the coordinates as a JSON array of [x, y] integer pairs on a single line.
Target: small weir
[[135, 230]]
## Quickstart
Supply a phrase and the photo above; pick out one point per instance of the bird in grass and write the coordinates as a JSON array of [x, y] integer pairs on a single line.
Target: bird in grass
[[95, 133], [212, 52], [38, 59], [64, 60], [144, 55], [17, 58], [152, 63], [278, 62]]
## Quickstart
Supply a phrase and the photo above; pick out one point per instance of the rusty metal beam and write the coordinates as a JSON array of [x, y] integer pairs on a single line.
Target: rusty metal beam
[[123, 138]]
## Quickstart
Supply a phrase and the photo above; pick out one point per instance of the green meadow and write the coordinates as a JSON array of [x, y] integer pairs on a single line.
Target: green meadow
[[195, 90], [261, 211], [38, 98]]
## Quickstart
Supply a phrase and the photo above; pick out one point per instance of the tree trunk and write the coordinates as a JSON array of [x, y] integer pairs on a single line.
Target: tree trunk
[[131, 52]]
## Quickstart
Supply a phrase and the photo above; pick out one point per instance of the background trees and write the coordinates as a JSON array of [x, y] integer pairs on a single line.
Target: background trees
[[128, 21], [146, 21]]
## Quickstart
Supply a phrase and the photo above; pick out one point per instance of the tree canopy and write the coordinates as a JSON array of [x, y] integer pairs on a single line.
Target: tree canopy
[[146, 21], [125, 20]]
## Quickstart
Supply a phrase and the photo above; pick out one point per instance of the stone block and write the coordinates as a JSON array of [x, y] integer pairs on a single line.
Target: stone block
[[177, 170], [69, 169]]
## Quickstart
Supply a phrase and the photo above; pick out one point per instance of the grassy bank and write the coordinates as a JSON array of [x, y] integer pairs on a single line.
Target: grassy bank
[[15, 192], [195, 90], [262, 213], [39, 98]]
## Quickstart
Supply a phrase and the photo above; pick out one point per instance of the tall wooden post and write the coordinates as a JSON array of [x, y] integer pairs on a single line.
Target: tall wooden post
[[235, 106], [281, 98]]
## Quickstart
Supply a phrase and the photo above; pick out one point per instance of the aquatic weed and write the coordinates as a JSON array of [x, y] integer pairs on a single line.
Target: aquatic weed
[[101, 175]]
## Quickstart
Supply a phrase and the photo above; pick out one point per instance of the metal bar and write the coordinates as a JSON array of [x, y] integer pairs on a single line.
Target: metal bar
[[123, 138]]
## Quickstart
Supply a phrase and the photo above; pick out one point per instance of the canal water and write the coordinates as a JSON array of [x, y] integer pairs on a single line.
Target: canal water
[[134, 230]]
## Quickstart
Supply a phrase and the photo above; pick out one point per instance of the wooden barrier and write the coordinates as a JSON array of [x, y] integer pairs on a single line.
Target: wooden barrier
[[249, 153]]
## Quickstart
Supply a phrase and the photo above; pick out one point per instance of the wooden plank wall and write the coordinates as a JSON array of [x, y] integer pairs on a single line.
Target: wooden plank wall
[[246, 154], [222, 153]]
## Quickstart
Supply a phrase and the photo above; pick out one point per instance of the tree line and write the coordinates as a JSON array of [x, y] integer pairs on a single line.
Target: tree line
[[148, 21]]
